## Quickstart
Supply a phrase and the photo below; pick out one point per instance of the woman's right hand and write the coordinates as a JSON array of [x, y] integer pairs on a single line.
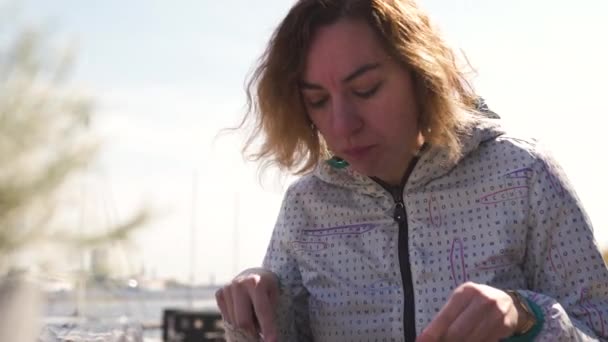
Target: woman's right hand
[[249, 301]]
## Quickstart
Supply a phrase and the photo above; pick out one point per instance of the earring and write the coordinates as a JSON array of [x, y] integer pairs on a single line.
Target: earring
[[313, 129]]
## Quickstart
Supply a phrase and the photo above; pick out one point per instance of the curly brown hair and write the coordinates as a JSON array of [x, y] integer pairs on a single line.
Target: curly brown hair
[[446, 100]]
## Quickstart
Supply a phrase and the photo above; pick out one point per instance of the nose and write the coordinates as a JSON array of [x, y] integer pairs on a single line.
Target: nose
[[346, 118]]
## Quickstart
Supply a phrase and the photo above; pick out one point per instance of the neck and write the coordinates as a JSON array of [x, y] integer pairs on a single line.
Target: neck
[[400, 176]]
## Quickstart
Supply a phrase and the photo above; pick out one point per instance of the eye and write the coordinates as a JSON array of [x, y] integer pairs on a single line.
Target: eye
[[316, 102], [367, 93]]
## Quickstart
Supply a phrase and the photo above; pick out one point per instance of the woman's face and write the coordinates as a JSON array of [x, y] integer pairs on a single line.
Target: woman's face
[[361, 100]]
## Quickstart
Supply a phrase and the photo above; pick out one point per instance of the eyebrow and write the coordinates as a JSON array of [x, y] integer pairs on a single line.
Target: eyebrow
[[360, 71]]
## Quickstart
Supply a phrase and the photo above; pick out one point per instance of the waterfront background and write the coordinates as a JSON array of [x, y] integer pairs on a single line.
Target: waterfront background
[[164, 78], [114, 306]]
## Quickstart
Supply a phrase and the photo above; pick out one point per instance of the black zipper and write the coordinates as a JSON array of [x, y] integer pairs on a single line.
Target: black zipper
[[409, 326], [400, 216]]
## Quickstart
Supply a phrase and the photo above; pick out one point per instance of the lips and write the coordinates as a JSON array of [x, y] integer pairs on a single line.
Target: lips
[[358, 152]]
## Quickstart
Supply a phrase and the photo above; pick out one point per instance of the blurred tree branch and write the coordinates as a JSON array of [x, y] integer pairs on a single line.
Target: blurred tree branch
[[44, 142]]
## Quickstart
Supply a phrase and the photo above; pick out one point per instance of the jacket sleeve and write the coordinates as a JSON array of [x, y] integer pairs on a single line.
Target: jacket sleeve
[[292, 306], [292, 316], [566, 274]]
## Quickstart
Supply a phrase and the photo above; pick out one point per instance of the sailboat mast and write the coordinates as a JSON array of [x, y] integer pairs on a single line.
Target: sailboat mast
[[193, 235], [235, 235]]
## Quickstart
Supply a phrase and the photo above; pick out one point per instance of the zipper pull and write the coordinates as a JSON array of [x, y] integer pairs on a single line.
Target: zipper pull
[[399, 213]]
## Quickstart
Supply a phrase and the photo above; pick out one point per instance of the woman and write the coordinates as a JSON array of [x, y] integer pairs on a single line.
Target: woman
[[416, 217]]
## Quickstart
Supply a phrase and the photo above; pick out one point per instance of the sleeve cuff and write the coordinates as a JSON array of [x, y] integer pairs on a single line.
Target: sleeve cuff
[[540, 320]]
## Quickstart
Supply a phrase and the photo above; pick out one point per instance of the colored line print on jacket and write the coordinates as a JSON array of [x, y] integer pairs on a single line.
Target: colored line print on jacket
[[524, 173], [308, 246], [382, 286], [504, 195], [434, 216], [588, 308], [435, 220], [355, 229], [430, 221], [457, 242], [497, 261]]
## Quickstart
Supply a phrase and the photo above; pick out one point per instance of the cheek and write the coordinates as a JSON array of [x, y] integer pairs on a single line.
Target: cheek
[[393, 121], [383, 113], [320, 122], [401, 110]]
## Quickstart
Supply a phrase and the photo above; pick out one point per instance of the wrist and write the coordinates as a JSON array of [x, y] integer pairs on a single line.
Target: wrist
[[539, 319], [526, 319]]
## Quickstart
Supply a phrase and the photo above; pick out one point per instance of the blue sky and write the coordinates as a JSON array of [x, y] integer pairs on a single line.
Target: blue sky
[[167, 75]]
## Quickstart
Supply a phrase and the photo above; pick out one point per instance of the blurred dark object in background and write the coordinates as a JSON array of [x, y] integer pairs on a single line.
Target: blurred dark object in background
[[191, 326]]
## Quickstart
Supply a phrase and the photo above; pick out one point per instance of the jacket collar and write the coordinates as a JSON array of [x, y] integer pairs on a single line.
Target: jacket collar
[[433, 163]]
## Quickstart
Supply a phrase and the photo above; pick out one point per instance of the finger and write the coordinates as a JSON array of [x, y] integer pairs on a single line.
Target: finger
[[221, 303], [243, 310], [450, 311], [466, 322], [229, 304], [264, 302], [425, 338], [273, 294], [493, 321], [488, 329]]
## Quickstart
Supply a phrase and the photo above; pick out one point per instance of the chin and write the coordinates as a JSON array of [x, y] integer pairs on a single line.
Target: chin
[[365, 170]]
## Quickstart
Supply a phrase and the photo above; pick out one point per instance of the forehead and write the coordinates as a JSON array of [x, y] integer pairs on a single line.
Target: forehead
[[339, 48]]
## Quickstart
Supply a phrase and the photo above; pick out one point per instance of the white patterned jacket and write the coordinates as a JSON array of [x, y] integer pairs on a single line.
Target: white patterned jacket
[[503, 215]]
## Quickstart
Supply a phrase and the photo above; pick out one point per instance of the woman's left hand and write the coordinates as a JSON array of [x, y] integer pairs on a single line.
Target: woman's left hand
[[474, 312]]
